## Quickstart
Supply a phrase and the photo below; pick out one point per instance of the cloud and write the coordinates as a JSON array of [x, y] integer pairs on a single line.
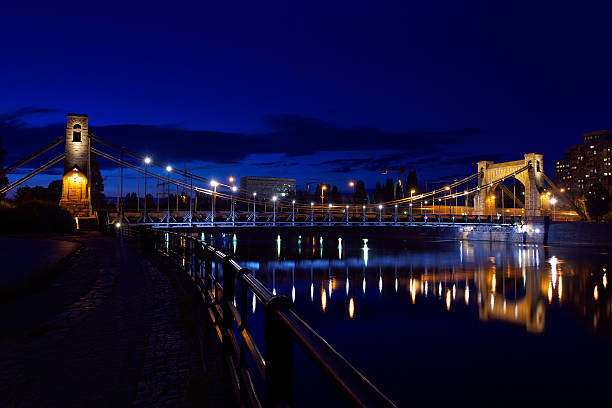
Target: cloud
[[16, 118], [290, 135], [405, 159]]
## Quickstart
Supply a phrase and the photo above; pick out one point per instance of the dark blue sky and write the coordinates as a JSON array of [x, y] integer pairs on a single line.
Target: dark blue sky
[[312, 90]]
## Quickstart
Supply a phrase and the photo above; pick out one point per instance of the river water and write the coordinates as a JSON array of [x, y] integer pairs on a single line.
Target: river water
[[484, 324]]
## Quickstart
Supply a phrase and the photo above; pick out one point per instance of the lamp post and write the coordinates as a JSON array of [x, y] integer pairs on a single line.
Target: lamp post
[[346, 210], [274, 210], [446, 188], [425, 217], [214, 185], [553, 201], [292, 212], [147, 160], [380, 213], [395, 216], [234, 189], [311, 213], [254, 213], [364, 214], [323, 188], [410, 206], [439, 210], [169, 170], [329, 216]]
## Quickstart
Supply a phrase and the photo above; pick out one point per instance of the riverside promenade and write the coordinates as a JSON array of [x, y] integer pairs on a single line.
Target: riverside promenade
[[110, 329]]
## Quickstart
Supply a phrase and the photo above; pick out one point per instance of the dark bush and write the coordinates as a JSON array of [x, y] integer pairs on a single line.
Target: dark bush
[[35, 216]]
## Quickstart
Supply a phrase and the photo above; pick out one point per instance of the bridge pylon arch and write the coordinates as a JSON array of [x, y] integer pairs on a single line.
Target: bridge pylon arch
[[532, 179]]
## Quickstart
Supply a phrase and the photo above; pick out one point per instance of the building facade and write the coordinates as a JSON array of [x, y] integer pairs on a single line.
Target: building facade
[[267, 187], [586, 164]]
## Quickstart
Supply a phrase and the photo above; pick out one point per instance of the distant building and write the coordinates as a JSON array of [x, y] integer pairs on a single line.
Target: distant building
[[586, 164], [267, 187]]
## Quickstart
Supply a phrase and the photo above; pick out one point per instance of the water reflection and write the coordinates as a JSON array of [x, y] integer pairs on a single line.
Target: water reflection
[[521, 283]]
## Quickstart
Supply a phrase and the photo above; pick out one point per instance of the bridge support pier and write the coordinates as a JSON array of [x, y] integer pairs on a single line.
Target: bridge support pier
[[529, 172]]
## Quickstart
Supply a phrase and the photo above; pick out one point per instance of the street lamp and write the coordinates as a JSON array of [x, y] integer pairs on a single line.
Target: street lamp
[[254, 214], [553, 201], [323, 188], [380, 213], [329, 213], [169, 170], [214, 185], [311, 213], [274, 210], [292, 212], [234, 189], [147, 160]]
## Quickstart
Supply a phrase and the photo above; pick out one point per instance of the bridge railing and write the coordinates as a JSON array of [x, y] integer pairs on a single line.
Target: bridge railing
[[219, 279]]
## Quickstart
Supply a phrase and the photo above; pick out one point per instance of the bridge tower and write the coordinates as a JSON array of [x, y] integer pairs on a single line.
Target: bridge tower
[[532, 179], [76, 195]]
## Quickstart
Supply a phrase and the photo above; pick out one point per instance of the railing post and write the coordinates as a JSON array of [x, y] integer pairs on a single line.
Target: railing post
[[208, 274], [243, 366], [279, 355], [229, 290]]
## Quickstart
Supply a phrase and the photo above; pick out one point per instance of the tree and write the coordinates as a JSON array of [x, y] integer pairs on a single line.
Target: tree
[[597, 202], [98, 200], [52, 193], [378, 193], [3, 179], [389, 190], [412, 183], [360, 196]]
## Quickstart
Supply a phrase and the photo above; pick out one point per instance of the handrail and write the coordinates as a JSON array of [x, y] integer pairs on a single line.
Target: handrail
[[283, 327]]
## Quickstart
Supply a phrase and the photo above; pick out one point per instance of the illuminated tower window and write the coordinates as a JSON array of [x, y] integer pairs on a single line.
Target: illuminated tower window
[[76, 133]]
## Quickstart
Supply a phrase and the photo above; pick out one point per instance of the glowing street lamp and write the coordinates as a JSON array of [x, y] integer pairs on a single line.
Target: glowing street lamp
[[274, 210], [147, 161], [214, 185], [254, 214], [169, 170], [234, 189], [380, 213], [323, 188], [553, 201], [292, 212]]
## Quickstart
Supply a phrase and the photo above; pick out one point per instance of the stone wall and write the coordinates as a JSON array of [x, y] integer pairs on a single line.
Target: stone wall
[[580, 233]]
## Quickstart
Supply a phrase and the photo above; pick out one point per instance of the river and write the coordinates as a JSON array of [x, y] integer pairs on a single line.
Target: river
[[446, 321]]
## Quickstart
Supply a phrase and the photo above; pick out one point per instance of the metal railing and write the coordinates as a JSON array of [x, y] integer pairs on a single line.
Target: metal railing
[[218, 278]]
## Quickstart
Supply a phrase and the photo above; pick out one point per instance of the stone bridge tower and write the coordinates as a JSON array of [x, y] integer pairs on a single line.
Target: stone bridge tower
[[75, 182], [532, 179]]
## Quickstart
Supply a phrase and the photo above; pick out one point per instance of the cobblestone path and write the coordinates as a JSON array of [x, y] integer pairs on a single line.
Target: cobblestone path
[[107, 332]]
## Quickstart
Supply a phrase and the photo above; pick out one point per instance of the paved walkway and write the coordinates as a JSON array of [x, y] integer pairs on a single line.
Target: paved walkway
[[107, 332]]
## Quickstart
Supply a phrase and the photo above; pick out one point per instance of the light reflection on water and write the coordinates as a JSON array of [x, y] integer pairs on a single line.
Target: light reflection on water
[[450, 298]]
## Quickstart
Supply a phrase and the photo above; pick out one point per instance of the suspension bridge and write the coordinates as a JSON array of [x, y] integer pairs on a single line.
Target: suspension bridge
[[499, 194]]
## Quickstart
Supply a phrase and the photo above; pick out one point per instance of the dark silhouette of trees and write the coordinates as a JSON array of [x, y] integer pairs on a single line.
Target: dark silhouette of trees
[[3, 179], [51, 193], [412, 183], [360, 196], [98, 199]]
